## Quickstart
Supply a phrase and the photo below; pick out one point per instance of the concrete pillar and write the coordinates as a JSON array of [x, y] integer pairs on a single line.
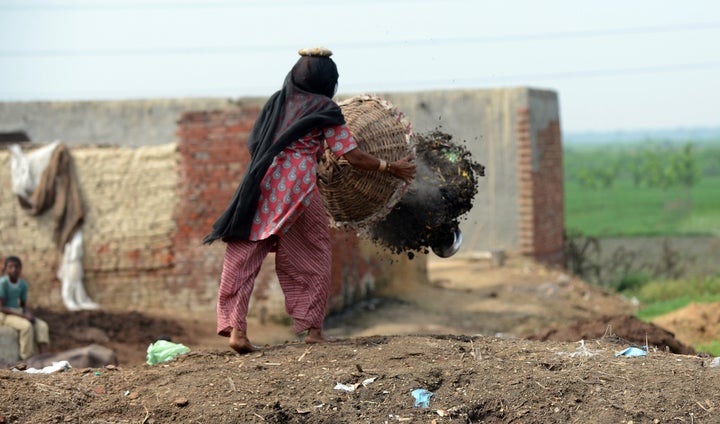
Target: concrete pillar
[[9, 346]]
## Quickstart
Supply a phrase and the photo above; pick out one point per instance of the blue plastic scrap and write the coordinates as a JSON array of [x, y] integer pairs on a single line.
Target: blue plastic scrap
[[631, 351], [422, 397]]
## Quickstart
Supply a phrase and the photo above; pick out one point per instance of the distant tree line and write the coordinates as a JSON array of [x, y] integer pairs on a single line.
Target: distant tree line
[[653, 166]]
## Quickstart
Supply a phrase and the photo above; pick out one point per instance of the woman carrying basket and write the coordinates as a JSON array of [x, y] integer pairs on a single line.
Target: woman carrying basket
[[277, 206]]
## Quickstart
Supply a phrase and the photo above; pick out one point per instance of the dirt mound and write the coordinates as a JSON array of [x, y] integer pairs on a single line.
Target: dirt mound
[[128, 333], [472, 380], [624, 327], [695, 323], [404, 345]]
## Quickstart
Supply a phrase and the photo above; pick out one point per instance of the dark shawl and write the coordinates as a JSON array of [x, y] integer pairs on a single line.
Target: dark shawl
[[304, 103]]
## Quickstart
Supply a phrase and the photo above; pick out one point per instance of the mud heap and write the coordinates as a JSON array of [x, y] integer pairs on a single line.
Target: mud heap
[[428, 215]]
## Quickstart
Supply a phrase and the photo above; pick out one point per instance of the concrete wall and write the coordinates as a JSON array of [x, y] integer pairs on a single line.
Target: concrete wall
[[111, 123]]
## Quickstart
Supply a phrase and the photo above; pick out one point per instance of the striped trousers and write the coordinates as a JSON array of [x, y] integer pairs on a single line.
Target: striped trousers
[[302, 264]]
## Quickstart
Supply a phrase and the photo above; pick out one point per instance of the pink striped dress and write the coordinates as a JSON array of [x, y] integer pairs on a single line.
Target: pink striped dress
[[291, 209]]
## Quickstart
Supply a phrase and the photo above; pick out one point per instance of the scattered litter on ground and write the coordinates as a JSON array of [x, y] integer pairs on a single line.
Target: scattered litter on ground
[[346, 387], [163, 350], [518, 380], [367, 381], [581, 351], [422, 397], [56, 366], [631, 352], [353, 387]]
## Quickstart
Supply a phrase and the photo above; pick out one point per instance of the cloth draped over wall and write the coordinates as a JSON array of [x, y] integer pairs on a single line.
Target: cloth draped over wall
[[58, 187], [45, 179]]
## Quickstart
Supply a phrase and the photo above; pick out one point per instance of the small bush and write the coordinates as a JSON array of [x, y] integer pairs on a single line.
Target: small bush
[[632, 281], [698, 288], [663, 296], [713, 348]]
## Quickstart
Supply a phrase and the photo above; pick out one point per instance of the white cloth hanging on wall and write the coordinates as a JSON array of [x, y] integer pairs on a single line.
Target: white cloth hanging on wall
[[71, 276], [26, 169]]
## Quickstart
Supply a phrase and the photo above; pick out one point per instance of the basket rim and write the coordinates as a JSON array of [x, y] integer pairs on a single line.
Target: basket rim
[[363, 224]]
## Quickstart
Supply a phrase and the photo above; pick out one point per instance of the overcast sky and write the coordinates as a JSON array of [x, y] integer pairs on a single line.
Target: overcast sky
[[616, 64]]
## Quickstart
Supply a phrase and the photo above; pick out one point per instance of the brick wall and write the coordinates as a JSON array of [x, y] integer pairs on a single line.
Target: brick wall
[[212, 159], [541, 192]]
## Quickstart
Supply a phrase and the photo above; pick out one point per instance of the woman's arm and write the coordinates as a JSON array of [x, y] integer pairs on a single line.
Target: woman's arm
[[342, 143], [401, 168]]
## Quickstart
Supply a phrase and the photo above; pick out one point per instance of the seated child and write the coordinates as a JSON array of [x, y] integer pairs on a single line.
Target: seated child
[[14, 312]]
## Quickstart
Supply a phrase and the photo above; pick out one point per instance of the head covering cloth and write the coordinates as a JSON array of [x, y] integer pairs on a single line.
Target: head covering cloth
[[304, 103]]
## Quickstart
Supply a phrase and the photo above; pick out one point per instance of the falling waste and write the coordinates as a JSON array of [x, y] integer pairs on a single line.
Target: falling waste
[[428, 215]]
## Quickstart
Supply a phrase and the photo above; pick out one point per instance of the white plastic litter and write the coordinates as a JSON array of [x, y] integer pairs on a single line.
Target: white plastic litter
[[54, 367], [367, 381], [353, 387], [581, 351], [346, 387], [715, 363]]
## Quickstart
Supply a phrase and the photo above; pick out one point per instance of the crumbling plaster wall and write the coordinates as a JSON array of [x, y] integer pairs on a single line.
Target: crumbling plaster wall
[[130, 197]]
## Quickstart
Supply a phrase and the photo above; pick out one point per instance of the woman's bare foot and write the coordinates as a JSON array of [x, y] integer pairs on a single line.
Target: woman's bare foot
[[239, 342], [314, 335]]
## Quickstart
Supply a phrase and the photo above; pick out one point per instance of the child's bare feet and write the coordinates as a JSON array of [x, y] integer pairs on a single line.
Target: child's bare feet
[[314, 335], [239, 342]]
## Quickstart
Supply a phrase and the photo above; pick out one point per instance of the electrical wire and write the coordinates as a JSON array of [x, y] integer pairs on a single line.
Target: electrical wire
[[215, 50]]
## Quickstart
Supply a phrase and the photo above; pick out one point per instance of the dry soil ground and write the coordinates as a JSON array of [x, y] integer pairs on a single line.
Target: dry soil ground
[[472, 337]]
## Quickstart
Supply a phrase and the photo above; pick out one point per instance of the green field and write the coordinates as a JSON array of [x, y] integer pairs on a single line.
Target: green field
[[627, 210], [645, 189]]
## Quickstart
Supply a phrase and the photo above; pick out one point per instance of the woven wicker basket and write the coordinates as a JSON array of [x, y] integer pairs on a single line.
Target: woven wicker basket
[[356, 197]]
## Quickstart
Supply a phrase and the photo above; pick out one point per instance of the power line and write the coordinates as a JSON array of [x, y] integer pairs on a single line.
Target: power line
[[423, 84], [213, 50], [564, 75], [176, 5]]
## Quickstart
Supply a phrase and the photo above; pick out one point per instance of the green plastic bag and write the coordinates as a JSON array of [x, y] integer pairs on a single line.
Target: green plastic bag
[[163, 350]]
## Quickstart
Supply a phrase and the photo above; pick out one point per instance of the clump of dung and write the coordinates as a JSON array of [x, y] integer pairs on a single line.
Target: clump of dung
[[443, 190]]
